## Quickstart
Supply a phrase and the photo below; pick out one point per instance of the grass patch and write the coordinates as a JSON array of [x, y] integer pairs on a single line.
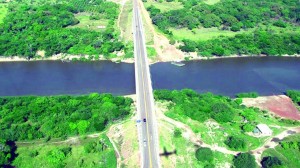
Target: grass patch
[[151, 52], [218, 135], [185, 150], [86, 23], [3, 12], [164, 6], [211, 2], [38, 155], [202, 34], [289, 157], [126, 21]]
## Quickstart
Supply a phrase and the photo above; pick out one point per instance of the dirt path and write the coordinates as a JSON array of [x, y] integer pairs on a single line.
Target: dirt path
[[272, 142], [165, 51], [188, 133], [118, 155], [122, 4]]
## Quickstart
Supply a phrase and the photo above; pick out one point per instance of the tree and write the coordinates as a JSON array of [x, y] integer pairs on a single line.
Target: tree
[[248, 127], [204, 155], [244, 160], [5, 155], [177, 133], [56, 158], [235, 143], [82, 126], [270, 162], [7, 152]]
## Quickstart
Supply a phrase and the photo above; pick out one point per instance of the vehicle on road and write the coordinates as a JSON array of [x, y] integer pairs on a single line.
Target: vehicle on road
[[138, 121], [145, 144], [144, 119]]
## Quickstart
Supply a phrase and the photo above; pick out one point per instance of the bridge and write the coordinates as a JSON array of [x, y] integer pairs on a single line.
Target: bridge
[[146, 121]]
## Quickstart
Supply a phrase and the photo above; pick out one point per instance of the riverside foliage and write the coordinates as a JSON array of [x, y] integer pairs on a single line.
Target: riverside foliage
[[235, 15], [30, 27], [30, 117]]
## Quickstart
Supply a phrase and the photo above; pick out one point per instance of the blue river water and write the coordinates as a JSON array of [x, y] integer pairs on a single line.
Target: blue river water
[[265, 75]]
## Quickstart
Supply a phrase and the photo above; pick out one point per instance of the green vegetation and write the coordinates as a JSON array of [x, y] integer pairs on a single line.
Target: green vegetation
[[294, 95], [46, 120], [185, 150], [235, 143], [202, 34], [231, 27], [30, 117], [218, 119], [205, 155], [286, 154], [164, 6], [260, 42], [247, 95], [89, 22], [244, 160], [269, 162], [45, 26], [151, 52], [67, 154], [3, 11], [7, 152]]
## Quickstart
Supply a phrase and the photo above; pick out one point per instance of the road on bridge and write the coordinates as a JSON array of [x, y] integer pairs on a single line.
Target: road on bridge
[[146, 121]]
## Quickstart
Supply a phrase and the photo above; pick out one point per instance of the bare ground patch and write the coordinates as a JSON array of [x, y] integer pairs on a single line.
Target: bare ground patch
[[281, 106], [165, 51]]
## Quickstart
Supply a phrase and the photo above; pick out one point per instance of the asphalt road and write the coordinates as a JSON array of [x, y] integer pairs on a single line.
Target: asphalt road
[[146, 121]]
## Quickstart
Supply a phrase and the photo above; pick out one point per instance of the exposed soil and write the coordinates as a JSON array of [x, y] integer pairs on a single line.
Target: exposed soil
[[281, 106], [165, 51]]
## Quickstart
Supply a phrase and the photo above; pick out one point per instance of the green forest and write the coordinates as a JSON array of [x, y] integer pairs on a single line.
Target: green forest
[[30, 117], [259, 20], [32, 26], [34, 118]]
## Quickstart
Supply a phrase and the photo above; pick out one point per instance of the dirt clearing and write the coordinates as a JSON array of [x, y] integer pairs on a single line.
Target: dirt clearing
[[281, 106]]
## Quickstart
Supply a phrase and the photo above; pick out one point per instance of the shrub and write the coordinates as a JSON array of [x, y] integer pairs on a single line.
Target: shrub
[[269, 162], [244, 160], [280, 23], [235, 143], [247, 95], [177, 133], [204, 155]]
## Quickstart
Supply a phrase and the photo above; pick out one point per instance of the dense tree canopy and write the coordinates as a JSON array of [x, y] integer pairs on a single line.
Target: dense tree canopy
[[294, 95], [244, 160], [204, 155], [7, 152], [271, 162], [201, 107], [30, 27], [235, 15], [260, 42], [27, 118], [235, 143]]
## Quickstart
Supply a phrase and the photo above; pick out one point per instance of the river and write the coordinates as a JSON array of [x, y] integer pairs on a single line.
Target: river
[[265, 75]]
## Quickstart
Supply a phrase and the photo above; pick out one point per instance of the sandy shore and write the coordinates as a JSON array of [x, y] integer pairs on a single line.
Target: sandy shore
[[192, 57], [60, 57], [130, 60]]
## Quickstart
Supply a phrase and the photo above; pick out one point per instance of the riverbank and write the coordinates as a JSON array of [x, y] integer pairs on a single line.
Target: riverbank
[[194, 57], [64, 58], [189, 57]]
